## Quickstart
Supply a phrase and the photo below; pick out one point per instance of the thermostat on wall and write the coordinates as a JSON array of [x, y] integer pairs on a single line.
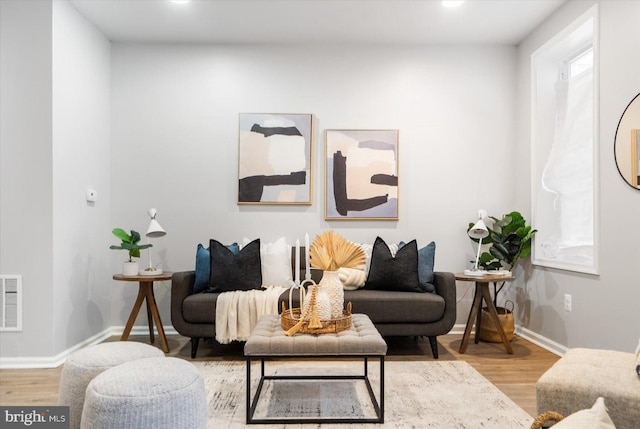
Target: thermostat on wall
[[92, 195]]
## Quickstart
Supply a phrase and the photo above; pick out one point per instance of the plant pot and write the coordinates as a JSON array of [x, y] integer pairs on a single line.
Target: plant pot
[[130, 268]]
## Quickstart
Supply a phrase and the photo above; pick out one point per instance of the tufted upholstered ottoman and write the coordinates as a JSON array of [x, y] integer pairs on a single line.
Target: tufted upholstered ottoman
[[82, 366], [581, 376], [158, 393], [268, 341]]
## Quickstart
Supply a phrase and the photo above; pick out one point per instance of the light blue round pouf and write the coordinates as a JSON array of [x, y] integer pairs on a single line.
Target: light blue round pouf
[[158, 393], [82, 366]]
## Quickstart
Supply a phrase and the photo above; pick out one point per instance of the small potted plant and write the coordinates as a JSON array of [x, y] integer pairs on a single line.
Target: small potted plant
[[130, 244]]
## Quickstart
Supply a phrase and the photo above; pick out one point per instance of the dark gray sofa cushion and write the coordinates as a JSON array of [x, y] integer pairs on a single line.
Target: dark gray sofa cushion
[[383, 306]]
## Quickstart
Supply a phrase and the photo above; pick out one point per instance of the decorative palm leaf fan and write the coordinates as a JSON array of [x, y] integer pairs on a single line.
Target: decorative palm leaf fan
[[329, 251]]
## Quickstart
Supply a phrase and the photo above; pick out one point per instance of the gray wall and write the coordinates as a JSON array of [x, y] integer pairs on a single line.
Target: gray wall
[[605, 307], [175, 126], [55, 71], [81, 159], [26, 169]]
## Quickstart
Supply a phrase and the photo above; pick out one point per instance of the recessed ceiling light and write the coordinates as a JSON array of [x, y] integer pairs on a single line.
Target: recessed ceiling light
[[452, 3]]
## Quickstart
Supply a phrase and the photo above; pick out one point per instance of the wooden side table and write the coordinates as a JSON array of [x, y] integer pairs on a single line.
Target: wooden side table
[[475, 314], [145, 290]]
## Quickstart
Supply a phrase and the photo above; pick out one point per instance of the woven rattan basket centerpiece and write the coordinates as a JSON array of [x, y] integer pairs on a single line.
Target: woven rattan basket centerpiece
[[306, 321], [291, 318]]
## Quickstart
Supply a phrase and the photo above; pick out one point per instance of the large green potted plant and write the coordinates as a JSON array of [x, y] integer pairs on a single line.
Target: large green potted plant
[[510, 240], [129, 242]]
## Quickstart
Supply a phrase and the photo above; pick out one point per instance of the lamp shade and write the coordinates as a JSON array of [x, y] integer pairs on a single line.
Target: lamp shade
[[154, 230], [479, 230]]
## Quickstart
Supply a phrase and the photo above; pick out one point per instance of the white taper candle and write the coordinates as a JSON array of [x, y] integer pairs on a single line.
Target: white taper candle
[[297, 266], [307, 266]]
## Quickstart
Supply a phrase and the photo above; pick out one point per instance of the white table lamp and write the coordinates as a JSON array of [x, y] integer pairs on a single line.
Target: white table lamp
[[478, 231], [154, 231]]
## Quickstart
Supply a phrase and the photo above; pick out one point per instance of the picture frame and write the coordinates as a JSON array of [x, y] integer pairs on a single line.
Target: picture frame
[[635, 157], [361, 175], [626, 145], [275, 158]]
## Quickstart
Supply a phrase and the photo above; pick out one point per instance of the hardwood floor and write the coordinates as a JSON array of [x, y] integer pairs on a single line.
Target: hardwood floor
[[515, 374]]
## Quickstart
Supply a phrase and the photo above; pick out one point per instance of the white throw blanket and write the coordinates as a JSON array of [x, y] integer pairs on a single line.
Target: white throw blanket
[[237, 312]]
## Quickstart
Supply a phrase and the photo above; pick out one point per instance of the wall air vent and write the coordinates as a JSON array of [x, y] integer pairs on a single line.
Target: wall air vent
[[10, 303]]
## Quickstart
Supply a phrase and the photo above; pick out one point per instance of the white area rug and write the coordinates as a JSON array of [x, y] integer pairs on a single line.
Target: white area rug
[[443, 395]]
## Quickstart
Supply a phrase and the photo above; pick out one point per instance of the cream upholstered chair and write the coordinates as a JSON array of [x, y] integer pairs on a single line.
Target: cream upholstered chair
[[581, 376]]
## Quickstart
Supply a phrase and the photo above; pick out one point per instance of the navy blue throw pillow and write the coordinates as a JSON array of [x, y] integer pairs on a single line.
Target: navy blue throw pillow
[[426, 257], [394, 274], [234, 272]]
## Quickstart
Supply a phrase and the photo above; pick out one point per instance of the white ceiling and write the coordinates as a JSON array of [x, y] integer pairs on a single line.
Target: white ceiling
[[317, 21]]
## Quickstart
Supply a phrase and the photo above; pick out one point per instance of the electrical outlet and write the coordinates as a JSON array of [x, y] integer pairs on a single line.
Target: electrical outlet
[[567, 302]]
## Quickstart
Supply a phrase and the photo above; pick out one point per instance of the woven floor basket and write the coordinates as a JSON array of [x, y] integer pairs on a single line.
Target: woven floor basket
[[488, 330], [548, 416], [289, 318]]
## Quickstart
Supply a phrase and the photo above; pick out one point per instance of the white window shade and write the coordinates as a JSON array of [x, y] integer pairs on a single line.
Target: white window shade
[[564, 148]]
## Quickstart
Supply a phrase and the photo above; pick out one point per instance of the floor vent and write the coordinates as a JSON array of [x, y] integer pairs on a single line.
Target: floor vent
[[10, 303]]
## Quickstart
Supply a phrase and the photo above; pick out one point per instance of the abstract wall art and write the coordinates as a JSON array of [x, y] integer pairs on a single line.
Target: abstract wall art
[[275, 158], [361, 174]]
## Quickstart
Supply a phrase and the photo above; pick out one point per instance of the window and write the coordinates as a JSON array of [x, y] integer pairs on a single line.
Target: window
[[581, 63], [564, 148]]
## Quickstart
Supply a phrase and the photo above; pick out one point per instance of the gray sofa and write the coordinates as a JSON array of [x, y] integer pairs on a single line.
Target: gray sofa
[[393, 313]]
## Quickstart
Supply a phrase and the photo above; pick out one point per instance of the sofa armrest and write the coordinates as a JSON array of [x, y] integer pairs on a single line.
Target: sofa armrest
[[445, 284], [181, 287]]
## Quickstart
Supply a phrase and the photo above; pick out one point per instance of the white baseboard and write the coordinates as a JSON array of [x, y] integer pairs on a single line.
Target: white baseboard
[[541, 341], [57, 360], [143, 330], [537, 339], [60, 358], [458, 329]]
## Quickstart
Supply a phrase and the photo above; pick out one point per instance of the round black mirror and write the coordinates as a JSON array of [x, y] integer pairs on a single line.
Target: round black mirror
[[627, 145]]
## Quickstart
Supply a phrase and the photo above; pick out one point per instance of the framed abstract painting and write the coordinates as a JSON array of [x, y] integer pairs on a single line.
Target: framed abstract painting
[[275, 158], [361, 174]]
